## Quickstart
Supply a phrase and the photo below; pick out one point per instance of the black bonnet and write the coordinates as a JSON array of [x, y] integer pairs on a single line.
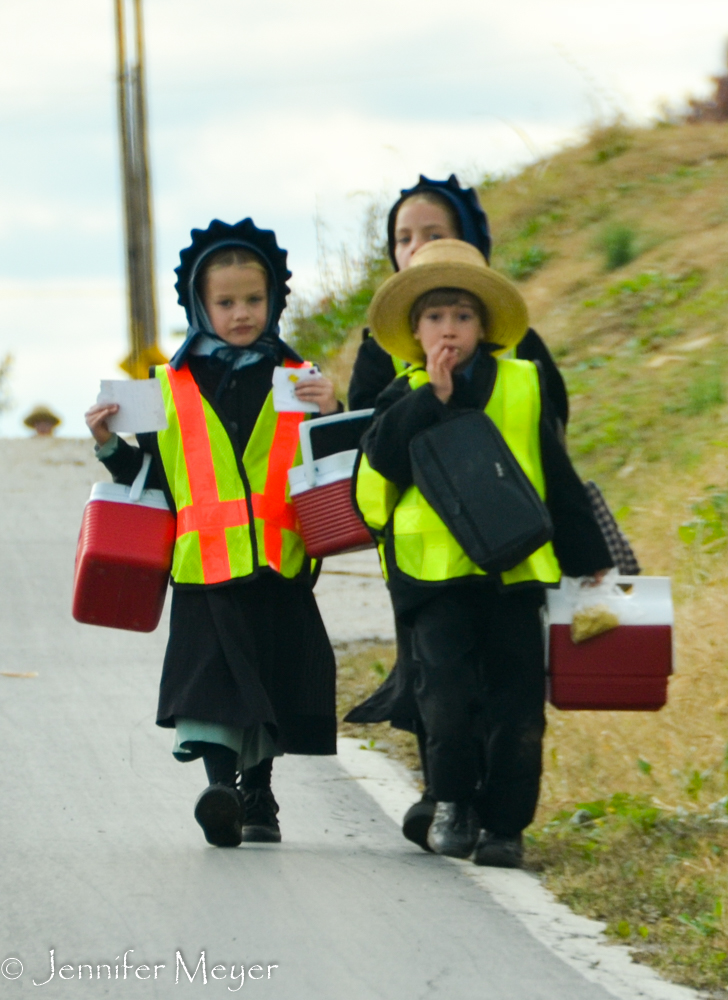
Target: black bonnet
[[471, 218], [244, 234]]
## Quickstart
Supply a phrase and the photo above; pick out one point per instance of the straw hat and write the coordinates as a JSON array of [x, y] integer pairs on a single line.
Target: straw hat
[[445, 264], [42, 415]]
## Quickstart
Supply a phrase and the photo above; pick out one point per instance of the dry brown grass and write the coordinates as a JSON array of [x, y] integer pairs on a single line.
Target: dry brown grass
[[338, 368]]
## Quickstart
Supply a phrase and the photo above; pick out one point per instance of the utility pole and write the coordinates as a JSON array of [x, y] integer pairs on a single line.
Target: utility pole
[[139, 237]]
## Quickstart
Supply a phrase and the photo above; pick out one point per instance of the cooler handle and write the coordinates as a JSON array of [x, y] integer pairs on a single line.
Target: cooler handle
[[137, 487], [304, 431]]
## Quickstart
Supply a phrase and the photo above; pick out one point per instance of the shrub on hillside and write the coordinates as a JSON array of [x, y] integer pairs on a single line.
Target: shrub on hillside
[[318, 330], [619, 245], [610, 142], [527, 263]]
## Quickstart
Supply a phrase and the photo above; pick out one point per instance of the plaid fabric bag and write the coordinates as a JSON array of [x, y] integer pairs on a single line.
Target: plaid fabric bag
[[619, 548]]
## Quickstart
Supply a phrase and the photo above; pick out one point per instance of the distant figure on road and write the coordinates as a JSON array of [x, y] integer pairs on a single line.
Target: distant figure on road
[[42, 420], [249, 672]]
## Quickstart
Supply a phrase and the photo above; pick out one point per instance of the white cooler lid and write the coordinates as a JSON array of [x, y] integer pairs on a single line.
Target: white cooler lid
[[116, 493], [327, 470], [650, 601]]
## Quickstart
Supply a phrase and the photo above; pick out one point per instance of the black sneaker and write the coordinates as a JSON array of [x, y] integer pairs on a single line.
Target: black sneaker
[[499, 852], [454, 829], [261, 823], [219, 811], [417, 821]]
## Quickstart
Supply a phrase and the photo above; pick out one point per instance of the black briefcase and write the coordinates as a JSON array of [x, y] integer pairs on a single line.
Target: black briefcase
[[471, 478]]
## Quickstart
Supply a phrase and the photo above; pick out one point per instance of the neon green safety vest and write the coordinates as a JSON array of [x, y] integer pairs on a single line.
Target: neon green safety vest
[[233, 514], [423, 547]]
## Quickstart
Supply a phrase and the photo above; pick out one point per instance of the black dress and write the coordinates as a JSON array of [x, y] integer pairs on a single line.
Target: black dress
[[247, 651]]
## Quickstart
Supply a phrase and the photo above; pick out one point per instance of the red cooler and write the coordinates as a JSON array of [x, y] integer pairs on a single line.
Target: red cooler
[[124, 556], [321, 493], [626, 668]]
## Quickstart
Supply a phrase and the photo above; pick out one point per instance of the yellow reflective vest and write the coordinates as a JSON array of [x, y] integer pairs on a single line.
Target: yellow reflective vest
[[233, 514], [418, 541]]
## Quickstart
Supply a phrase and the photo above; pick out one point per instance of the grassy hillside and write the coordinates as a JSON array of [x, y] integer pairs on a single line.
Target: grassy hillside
[[620, 247]]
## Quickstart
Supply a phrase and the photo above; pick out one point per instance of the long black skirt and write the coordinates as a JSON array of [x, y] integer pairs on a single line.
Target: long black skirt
[[250, 653]]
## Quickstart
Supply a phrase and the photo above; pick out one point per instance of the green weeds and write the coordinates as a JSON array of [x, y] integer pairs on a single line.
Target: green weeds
[[670, 904], [708, 527], [379, 669], [619, 245], [705, 392], [610, 143], [318, 334], [527, 263]]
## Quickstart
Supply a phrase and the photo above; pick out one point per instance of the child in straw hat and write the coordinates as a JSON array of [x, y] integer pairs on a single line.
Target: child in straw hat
[[436, 210], [431, 210], [478, 647]]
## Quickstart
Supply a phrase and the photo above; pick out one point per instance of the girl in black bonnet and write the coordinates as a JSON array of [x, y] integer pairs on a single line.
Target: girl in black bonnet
[[249, 673], [431, 210]]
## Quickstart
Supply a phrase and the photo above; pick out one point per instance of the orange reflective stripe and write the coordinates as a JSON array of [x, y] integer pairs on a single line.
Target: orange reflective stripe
[[203, 485], [282, 456], [207, 514], [269, 509], [271, 506], [212, 516]]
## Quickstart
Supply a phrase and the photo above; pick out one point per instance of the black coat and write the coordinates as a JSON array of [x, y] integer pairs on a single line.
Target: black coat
[[401, 413], [253, 650]]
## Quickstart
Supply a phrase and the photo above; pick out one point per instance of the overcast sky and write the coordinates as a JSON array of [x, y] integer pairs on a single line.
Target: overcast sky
[[288, 111]]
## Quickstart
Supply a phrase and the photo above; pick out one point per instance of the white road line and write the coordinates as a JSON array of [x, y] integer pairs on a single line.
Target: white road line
[[579, 942]]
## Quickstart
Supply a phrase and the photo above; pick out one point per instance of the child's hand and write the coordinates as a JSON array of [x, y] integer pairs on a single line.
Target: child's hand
[[441, 360], [96, 417], [318, 390]]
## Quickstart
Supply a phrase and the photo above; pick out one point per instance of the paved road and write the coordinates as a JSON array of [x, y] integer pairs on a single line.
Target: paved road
[[101, 856]]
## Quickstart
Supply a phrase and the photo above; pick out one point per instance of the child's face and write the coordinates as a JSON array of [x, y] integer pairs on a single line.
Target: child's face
[[236, 301], [417, 223], [455, 328]]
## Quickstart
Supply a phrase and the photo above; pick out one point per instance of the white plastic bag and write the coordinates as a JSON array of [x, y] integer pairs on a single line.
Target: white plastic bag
[[599, 608]]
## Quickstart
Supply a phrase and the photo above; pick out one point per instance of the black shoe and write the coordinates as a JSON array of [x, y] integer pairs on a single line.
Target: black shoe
[[261, 824], [454, 829], [219, 811], [499, 852], [417, 821]]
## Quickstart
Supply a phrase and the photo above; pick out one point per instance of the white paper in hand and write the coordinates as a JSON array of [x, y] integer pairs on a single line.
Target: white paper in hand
[[141, 408], [285, 399]]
